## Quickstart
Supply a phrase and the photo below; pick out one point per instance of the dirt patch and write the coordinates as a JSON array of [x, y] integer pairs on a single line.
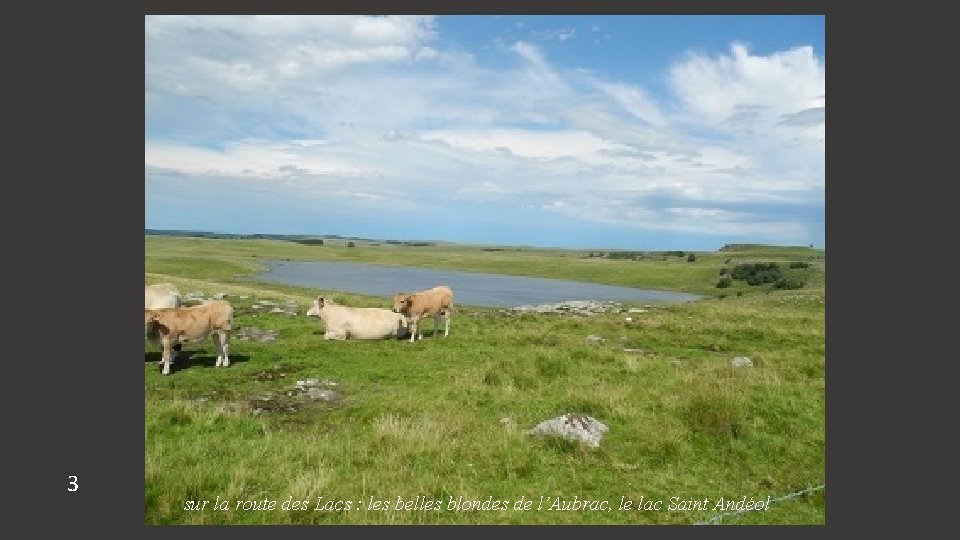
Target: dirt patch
[[306, 393], [252, 333], [274, 373], [274, 404]]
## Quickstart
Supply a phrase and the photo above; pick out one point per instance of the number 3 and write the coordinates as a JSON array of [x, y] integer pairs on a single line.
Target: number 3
[[74, 484]]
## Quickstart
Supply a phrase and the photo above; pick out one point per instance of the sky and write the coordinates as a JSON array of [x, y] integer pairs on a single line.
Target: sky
[[639, 132]]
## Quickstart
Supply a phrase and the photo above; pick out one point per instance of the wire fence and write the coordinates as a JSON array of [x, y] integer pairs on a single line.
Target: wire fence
[[717, 519]]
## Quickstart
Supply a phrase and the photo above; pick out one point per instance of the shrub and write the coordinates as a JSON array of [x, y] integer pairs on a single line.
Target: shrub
[[798, 264], [724, 282], [691, 257], [351, 244], [724, 271], [758, 273], [788, 284]]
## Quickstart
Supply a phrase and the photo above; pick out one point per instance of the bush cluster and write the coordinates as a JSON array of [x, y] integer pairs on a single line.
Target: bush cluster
[[759, 274]]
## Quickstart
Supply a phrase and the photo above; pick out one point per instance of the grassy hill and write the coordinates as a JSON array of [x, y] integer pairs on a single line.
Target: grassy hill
[[446, 418]]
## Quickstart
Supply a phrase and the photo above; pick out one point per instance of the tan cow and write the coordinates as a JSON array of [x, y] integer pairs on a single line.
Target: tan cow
[[173, 325], [341, 322], [415, 306]]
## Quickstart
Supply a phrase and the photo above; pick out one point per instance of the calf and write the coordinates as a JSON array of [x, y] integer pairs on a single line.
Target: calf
[[415, 306], [341, 322], [172, 325]]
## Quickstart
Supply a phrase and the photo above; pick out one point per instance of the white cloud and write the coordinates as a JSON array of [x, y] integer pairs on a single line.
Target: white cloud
[[219, 57], [251, 159], [380, 113], [741, 92], [558, 34], [541, 145], [635, 101]]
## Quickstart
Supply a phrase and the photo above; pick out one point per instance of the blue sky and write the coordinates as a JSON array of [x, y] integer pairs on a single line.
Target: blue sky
[[612, 131]]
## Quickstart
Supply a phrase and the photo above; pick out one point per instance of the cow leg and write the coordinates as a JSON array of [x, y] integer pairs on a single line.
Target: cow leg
[[165, 358], [436, 324], [220, 341], [414, 328], [446, 317]]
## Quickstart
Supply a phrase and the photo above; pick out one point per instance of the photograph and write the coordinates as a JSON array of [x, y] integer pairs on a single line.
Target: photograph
[[526, 269]]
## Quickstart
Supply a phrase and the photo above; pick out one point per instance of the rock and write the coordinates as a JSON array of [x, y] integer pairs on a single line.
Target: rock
[[507, 422], [570, 307], [220, 296], [575, 427], [244, 297], [321, 393], [256, 334], [277, 310], [741, 361], [629, 319], [595, 339], [636, 310]]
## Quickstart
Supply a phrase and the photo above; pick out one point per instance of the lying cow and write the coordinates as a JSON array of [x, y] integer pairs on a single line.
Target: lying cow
[[415, 306], [173, 325], [161, 295], [342, 322], [157, 296]]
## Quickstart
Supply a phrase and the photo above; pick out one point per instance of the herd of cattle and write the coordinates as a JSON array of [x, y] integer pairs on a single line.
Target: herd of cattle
[[168, 323]]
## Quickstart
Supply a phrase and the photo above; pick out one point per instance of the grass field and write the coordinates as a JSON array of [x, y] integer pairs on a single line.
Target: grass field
[[446, 417]]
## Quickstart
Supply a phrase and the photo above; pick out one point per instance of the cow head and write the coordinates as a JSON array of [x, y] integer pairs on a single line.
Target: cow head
[[149, 319], [400, 302]]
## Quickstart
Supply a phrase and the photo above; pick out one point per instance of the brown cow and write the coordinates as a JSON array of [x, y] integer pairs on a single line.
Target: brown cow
[[171, 325], [433, 302]]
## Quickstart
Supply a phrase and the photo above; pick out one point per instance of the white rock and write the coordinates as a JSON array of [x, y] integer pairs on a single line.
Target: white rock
[[573, 427], [741, 361]]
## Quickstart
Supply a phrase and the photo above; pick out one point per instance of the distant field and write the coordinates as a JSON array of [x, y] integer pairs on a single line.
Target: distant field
[[446, 417], [223, 259]]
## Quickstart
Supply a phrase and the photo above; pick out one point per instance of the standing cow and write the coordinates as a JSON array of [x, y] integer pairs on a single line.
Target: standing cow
[[174, 325], [435, 302]]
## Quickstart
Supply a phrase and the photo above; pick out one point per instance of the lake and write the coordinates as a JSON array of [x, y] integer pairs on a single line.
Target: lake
[[469, 288]]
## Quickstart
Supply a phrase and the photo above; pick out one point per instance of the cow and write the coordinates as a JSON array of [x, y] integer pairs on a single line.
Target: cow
[[415, 306], [342, 322], [172, 325], [161, 295]]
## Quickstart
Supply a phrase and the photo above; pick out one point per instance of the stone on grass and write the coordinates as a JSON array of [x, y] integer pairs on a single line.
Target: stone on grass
[[741, 361], [574, 427]]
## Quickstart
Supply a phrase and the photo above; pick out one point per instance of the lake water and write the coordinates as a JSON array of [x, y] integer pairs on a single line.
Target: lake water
[[469, 288]]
